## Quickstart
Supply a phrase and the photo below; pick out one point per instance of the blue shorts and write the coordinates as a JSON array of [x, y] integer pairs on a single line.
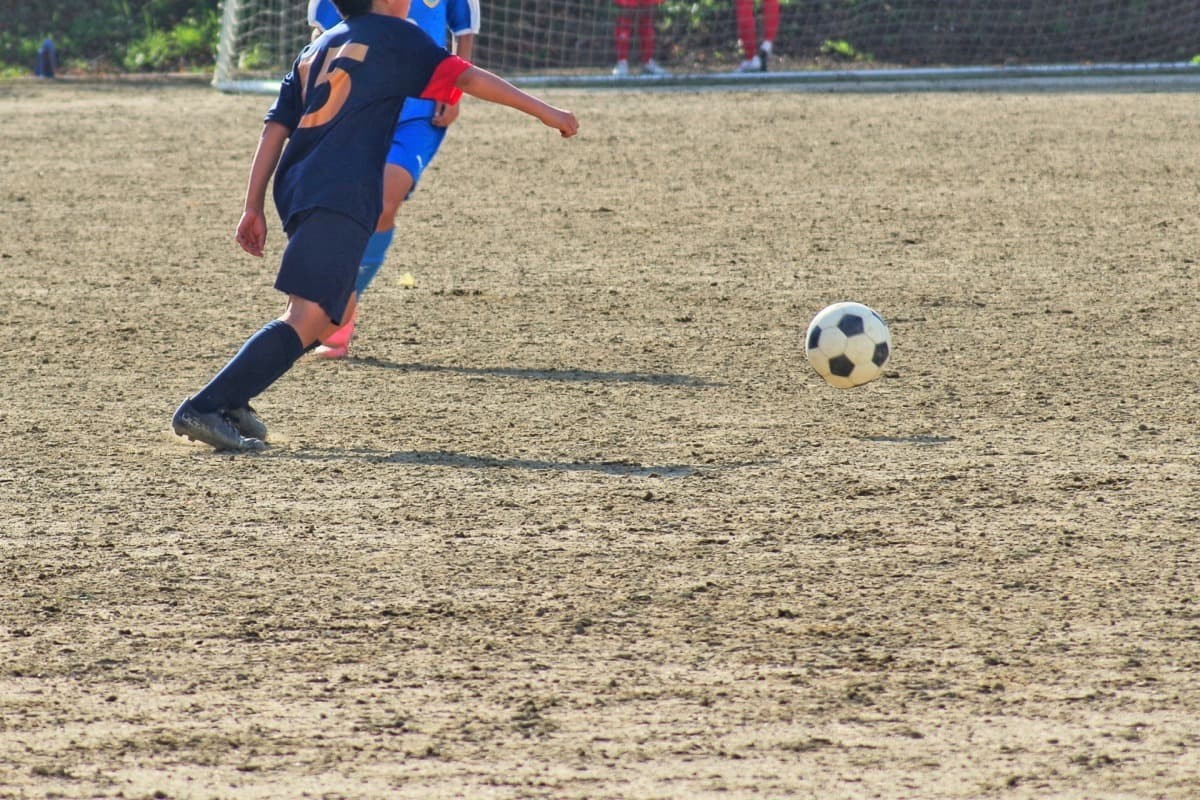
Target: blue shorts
[[416, 140], [320, 262]]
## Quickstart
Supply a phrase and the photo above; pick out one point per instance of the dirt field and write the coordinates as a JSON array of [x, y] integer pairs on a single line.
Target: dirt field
[[577, 520]]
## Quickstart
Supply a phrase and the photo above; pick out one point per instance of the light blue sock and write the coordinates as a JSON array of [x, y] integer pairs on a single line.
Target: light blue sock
[[372, 260]]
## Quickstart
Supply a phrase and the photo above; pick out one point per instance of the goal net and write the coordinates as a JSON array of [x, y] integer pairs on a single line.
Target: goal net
[[575, 41]]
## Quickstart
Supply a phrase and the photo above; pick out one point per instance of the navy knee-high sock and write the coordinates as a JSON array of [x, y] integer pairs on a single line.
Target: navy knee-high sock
[[263, 359]]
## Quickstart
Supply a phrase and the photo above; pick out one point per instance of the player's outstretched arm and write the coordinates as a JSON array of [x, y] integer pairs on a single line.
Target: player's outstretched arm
[[252, 229], [480, 83]]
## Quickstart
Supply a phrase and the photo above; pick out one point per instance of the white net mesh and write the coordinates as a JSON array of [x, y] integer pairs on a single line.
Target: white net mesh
[[577, 38]]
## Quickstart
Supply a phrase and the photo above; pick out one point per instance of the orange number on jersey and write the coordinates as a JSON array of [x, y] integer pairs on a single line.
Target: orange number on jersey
[[338, 80]]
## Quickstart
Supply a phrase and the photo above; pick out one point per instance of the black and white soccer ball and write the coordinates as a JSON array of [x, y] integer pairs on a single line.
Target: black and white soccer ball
[[848, 344]]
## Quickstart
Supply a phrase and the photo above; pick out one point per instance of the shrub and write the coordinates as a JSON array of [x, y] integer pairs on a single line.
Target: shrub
[[189, 45]]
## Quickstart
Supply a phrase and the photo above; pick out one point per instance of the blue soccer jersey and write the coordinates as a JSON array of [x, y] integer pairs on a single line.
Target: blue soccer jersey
[[435, 17], [323, 14], [340, 103]]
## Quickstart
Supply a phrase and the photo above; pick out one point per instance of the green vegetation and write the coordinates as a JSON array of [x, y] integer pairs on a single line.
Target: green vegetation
[[843, 49], [98, 35], [189, 45]]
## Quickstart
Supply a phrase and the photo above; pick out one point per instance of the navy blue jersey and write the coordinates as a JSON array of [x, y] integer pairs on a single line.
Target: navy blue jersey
[[434, 17], [340, 103]]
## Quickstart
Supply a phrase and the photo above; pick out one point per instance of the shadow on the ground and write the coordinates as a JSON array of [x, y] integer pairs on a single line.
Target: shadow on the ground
[[445, 458], [568, 375]]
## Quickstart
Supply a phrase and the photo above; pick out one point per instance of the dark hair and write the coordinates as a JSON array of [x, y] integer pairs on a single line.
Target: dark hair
[[352, 8]]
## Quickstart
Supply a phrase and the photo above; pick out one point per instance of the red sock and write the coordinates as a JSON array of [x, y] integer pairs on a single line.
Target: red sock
[[770, 19], [744, 10], [646, 36], [623, 32]]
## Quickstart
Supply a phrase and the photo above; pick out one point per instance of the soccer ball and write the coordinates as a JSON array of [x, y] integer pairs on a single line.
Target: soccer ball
[[848, 344]]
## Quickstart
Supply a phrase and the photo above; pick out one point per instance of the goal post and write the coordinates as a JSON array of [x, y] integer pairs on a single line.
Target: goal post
[[258, 41], [572, 42]]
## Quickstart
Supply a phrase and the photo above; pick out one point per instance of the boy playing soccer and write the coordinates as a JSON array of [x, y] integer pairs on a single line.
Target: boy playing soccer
[[335, 113], [419, 133]]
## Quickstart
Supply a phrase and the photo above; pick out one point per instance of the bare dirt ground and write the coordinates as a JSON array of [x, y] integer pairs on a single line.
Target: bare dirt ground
[[577, 520]]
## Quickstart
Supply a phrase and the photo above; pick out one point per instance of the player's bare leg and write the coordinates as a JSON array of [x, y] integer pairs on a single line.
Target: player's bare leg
[[309, 320], [397, 184]]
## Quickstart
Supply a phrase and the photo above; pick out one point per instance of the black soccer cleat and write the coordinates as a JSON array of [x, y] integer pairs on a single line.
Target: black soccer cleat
[[213, 428], [764, 55], [247, 422]]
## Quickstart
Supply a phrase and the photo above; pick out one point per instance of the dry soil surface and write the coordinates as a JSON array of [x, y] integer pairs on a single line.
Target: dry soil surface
[[576, 520]]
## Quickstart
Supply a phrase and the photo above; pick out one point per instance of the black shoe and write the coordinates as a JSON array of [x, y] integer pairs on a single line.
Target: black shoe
[[764, 55], [247, 422], [213, 428]]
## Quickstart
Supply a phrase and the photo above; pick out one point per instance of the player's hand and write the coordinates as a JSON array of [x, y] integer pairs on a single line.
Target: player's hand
[[252, 232], [564, 121], [445, 114]]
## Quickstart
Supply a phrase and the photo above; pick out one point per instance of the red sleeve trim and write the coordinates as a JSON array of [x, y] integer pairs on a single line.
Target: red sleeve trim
[[441, 86]]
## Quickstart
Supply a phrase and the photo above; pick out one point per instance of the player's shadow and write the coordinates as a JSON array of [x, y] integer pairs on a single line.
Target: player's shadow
[[445, 458], [567, 375]]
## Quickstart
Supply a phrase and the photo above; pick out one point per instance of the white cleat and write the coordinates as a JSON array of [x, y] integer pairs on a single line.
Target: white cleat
[[750, 65], [652, 67]]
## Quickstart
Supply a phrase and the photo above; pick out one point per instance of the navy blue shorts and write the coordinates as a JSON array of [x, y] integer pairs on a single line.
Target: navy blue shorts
[[320, 262]]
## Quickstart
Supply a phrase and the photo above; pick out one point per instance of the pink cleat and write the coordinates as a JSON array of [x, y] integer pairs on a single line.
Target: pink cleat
[[337, 344]]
